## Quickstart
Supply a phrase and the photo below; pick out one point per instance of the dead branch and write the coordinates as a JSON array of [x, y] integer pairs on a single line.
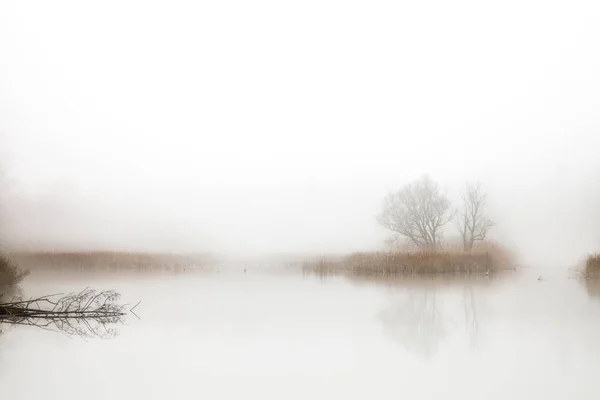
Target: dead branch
[[88, 313]]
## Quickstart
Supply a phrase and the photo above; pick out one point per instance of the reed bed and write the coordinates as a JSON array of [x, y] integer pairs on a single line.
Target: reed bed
[[592, 266], [394, 263], [106, 260]]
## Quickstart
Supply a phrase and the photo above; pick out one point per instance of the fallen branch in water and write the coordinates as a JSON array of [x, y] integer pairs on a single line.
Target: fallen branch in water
[[88, 313]]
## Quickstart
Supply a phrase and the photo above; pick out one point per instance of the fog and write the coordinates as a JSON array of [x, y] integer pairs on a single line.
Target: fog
[[256, 127]]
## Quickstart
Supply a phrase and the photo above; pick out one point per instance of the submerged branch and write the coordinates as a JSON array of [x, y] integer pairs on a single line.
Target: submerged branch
[[87, 313]]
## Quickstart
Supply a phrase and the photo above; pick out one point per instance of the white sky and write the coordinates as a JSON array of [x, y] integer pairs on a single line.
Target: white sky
[[279, 126]]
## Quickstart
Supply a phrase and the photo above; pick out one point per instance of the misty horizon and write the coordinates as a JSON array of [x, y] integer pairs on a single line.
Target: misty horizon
[[245, 134]]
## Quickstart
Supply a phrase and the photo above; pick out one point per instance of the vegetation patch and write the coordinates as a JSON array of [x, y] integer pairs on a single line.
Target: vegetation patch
[[484, 260], [106, 260], [10, 273], [592, 266]]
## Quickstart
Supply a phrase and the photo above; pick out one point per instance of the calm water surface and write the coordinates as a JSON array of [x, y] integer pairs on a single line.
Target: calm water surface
[[231, 335]]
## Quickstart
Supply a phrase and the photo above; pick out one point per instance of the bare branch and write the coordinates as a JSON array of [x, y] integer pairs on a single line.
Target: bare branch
[[472, 223]]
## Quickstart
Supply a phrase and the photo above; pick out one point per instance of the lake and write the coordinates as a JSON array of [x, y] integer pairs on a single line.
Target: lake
[[285, 335]]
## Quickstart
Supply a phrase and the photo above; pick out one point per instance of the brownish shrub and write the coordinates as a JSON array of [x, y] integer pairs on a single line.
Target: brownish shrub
[[10, 273], [592, 266]]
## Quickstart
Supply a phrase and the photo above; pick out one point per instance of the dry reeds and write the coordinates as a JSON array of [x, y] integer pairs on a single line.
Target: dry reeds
[[106, 260], [482, 260], [591, 275], [592, 266]]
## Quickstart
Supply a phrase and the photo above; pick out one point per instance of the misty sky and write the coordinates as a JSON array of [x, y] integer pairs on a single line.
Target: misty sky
[[264, 126]]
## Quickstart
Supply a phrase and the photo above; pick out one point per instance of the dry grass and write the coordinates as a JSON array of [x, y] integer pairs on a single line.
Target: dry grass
[[591, 275], [592, 266], [106, 260], [10, 273], [490, 258], [503, 257]]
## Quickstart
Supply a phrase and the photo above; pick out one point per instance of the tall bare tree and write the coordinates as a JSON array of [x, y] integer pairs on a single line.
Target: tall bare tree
[[473, 224], [418, 212]]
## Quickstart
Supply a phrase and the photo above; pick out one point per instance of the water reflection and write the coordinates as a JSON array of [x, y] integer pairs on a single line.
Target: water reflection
[[592, 286], [284, 337], [471, 318], [422, 313], [415, 320]]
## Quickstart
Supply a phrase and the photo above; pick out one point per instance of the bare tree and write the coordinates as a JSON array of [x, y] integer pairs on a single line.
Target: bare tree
[[417, 212], [473, 225]]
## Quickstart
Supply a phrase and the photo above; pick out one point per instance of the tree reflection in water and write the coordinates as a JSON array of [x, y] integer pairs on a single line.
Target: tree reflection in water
[[471, 320], [415, 321], [419, 319]]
